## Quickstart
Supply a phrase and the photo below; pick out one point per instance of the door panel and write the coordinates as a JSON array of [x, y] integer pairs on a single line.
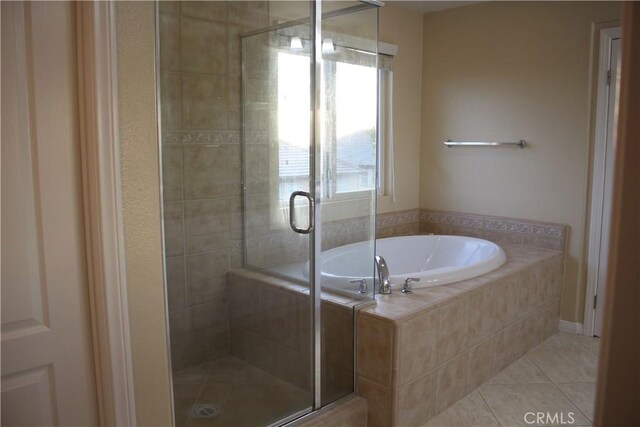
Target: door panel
[[278, 232], [612, 102], [47, 373]]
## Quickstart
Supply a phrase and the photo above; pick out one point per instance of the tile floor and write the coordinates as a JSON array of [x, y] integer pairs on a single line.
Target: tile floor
[[557, 377], [240, 395]]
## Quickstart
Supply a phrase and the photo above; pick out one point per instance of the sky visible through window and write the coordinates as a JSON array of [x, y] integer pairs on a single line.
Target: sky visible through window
[[293, 99], [353, 151], [355, 98]]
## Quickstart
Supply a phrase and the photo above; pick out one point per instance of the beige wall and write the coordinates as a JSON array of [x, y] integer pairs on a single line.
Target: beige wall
[[404, 29], [507, 71], [141, 206]]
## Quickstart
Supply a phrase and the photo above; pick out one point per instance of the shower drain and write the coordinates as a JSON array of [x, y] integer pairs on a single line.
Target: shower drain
[[205, 410]]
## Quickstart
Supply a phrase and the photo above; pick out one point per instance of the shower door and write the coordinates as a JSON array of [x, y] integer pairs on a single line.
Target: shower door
[[309, 161], [278, 209]]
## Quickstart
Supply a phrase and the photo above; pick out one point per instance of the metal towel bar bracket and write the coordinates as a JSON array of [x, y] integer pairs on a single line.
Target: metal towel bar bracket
[[449, 143]]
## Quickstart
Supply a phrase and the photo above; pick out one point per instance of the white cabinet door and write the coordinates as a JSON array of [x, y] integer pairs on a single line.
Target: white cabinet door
[[47, 365]]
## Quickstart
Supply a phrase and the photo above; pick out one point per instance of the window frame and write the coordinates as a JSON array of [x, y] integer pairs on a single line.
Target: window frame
[[329, 162], [330, 193]]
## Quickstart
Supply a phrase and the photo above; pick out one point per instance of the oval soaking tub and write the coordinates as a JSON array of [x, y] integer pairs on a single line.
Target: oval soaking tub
[[434, 260]]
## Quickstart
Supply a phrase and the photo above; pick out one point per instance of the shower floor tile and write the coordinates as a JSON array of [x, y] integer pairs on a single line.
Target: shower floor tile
[[558, 375], [229, 392]]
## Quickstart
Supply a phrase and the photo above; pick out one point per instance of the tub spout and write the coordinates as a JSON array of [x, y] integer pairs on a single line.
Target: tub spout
[[383, 276]]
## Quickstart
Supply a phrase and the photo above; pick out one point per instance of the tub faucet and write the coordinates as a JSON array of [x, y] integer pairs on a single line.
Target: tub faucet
[[362, 285], [383, 276], [406, 289]]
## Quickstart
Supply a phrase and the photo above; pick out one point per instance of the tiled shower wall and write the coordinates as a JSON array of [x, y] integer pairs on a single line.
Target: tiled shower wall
[[200, 114]]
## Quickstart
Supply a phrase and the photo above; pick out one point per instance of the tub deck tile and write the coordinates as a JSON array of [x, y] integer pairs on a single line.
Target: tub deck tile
[[401, 307], [481, 326]]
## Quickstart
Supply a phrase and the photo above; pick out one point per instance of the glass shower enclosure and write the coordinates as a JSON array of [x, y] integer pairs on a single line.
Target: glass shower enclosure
[[268, 117]]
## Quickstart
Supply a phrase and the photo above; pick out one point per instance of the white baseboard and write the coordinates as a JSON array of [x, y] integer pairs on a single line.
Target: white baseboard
[[570, 327]]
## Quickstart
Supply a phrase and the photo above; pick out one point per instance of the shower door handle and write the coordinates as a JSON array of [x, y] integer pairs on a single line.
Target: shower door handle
[[292, 212]]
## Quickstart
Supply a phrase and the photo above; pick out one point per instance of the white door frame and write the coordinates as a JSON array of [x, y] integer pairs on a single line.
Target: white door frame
[[598, 175], [100, 159]]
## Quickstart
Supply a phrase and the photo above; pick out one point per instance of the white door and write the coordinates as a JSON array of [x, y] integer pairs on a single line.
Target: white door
[[603, 176], [47, 366]]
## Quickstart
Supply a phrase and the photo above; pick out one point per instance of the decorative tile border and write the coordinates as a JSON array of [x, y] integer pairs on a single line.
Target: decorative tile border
[[392, 219], [493, 227], [202, 137], [257, 137], [510, 225], [494, 223]]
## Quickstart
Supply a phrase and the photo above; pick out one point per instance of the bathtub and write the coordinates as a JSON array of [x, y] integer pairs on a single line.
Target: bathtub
[[434, 260]]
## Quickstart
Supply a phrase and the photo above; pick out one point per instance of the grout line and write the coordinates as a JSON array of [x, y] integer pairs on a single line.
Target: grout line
[[197, 400], [487, 404], [542, 371], [576, 382], [572, 402], [562, 353], [556, 384], [548, 380], [580, 340], [539, 368]]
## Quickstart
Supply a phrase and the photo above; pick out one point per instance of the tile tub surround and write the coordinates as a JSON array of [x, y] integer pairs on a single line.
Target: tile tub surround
[[422, 221], [418, 354], [496, 229]]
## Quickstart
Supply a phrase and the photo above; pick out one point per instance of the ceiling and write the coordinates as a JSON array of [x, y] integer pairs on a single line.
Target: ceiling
[[428, 6]]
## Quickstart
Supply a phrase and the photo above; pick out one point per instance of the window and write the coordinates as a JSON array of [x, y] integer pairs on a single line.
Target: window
[[293, 123], [349, 131], [351, 162]]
